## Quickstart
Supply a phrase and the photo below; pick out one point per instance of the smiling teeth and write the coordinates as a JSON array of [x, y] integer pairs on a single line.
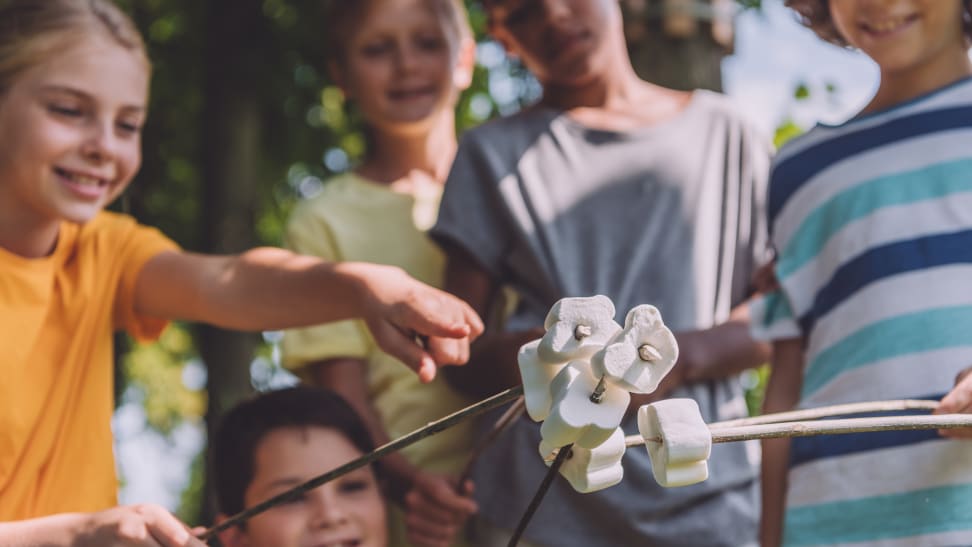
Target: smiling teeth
[[887, 25]]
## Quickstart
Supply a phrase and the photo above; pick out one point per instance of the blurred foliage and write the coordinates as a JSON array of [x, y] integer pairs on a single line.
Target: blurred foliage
[[155, 373]]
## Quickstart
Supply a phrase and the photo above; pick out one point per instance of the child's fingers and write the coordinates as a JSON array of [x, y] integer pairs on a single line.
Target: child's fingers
[[404, 348], [448, 351], [167, 530]]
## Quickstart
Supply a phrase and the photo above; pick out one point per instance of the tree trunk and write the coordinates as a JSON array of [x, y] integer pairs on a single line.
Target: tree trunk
[[231, 167], [679, 43]]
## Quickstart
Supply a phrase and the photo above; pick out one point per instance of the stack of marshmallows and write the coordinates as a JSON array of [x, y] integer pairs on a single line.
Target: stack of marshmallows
[[578, 381]]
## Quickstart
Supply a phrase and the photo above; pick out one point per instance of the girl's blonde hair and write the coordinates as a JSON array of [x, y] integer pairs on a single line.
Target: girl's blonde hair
[[815, 15], [31, 31], [343, 17]]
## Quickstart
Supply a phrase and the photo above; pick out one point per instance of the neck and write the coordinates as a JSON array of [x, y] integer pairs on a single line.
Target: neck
[[394, 155], [904, 85], [614, 86], [29, 242]]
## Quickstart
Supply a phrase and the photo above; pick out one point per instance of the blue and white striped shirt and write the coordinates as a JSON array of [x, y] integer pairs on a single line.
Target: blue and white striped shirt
[[872, 223]]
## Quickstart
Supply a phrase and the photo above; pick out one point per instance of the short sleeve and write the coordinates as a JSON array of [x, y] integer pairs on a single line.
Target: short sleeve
[[308, 233], [140, 244], [472, 215], [771, 318]]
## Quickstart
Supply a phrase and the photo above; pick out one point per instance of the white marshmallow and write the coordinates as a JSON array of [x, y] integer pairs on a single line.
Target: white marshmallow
[[573, 417], [589, 470], [681, 457], [641, 355], [537, 377], [576, 328]]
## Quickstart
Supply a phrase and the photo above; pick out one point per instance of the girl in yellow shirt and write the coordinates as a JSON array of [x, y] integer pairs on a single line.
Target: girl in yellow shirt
[[73, 91]]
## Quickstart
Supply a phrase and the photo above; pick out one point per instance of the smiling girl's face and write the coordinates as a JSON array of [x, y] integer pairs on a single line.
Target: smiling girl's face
[[71, 129], [346, 512]]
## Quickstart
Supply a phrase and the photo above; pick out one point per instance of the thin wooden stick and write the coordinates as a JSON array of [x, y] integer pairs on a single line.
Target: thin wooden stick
[[541, 492], [431, 429], [829, 411], [827, 427], [502, 424]]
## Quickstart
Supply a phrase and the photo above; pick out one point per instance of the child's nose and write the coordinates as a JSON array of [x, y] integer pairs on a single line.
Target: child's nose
[[100, 142], [327, 511]]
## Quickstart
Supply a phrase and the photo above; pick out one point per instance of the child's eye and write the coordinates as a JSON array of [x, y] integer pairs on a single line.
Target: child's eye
[[129, 128], [375, 49], [431, 43], [66, 111], [354, 485]]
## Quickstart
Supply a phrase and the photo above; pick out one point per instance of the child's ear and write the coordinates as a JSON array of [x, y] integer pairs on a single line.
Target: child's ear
[[232, 536], [465, 64]]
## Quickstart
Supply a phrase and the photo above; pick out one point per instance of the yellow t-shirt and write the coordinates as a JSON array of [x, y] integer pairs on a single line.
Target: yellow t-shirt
[[56, 393], [353, 219]]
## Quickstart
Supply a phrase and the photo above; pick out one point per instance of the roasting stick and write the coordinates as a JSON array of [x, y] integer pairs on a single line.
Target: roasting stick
[[826, 427]]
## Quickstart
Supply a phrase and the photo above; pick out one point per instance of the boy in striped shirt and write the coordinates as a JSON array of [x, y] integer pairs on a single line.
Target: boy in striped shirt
[[872, 224]]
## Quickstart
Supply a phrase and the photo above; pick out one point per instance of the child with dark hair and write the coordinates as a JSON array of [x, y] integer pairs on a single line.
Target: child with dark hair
[[609, 185], [872, 224], [277, 440]]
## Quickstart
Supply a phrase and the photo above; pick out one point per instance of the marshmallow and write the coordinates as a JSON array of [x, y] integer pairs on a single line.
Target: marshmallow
[[576, 328], [639, 356], [590, 470], [681, 457], [537, 377], [574, 417]]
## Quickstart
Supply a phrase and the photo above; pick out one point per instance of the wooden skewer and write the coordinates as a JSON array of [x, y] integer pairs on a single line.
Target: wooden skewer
[[826, 427], [502, 424], [829, 411]]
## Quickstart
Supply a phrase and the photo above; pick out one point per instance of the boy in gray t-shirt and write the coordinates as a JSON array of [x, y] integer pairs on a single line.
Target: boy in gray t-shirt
[[618, 187]]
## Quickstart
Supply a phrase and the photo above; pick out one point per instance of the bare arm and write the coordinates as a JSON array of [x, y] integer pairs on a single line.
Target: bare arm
[[492, 364], [782, 394], [130, 526], [269, 288]]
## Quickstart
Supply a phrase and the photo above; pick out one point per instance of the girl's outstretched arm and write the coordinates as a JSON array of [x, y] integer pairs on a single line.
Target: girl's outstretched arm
[[269, 289]]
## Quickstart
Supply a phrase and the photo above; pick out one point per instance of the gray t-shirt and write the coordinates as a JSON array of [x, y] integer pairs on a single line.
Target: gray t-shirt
[[669, 215]]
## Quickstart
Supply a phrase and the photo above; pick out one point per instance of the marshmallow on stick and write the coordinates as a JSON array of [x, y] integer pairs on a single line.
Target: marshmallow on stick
[[678, 440], [590, 470], [641, 355], [574, 416], [576, 328], [537, 376]]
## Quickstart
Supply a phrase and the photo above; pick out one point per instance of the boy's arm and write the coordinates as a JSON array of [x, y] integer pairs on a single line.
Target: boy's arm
[[959, 400], [782, 394], [270, 288], [131, 526], [492, 363], [434, 508]]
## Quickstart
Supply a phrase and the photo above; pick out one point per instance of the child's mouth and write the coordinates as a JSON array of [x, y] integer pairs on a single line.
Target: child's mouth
[[888, 26], [83, 184]]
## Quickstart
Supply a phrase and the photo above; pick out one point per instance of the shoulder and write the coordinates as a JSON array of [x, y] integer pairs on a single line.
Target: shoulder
[[115, 229], [510, 133]]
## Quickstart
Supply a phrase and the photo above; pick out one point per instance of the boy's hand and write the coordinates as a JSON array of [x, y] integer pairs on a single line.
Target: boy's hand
[[959, 400], [764, 280], [435, 512], [400, 311], [135, 525]]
